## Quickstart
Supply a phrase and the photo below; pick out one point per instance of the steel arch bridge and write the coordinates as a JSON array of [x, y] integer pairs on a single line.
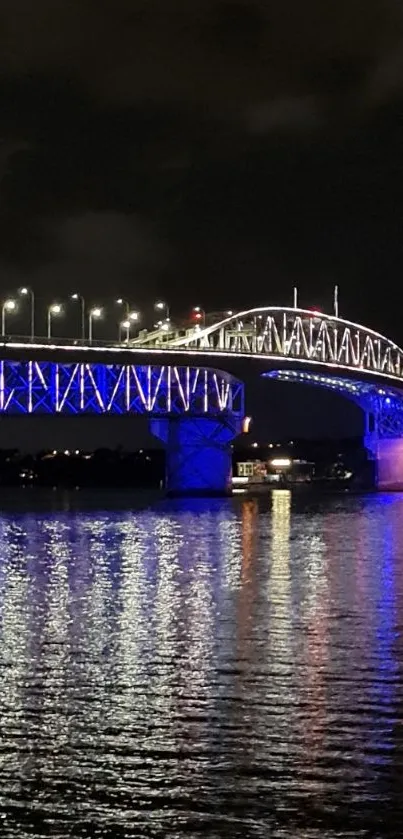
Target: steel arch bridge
[[300, 336], [324, 351], [197, 410]]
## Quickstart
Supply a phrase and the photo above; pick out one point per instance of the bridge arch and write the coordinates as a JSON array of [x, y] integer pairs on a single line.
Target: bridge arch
[[300, 336]]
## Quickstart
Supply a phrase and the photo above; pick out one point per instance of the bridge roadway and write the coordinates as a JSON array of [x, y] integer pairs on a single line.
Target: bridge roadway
[[291, 345]]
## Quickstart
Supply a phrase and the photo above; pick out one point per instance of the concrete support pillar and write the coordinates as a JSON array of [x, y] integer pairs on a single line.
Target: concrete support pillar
[[388, 453], [198, 453], [384, 440]]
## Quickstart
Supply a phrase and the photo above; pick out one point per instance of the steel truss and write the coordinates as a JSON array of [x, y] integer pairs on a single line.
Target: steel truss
[[297, 334], [383, 404], [28, 387]]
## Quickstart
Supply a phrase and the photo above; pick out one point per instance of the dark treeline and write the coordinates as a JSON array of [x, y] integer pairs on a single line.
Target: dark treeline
[[101, 468], [146, 467]]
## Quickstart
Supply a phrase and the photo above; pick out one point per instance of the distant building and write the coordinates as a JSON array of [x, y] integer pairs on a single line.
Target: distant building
[[275, 470]]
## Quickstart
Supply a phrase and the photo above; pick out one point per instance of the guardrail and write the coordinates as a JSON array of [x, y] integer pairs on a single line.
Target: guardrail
[[155, 343], [58, 342]]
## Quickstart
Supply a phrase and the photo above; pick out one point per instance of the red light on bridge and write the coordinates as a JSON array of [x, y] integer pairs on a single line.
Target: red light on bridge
[[197, 314]]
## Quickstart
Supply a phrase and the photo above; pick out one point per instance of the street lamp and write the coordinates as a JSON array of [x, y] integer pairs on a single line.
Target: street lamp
[[27, 292], [8, 306], [80, 298], [94, 314], [126, 324], [161, 306], [132, 318], [54, 309], [121, 302]]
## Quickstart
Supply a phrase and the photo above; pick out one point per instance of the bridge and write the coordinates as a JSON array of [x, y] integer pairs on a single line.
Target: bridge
[[197, 410], [322, 351]]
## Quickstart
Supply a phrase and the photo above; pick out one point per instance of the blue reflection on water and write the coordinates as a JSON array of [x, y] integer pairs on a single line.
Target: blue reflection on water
[[226, 667]]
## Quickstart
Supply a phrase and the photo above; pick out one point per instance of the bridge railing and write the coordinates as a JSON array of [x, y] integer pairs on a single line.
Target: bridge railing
[[149, 342], [58, 342]]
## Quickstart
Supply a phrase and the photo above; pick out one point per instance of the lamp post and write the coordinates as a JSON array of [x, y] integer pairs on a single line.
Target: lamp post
[[80, 298], [125, 304], [161, 306], [54, 309], [126, 324], [8, 306], [27, 292], [94, 314]]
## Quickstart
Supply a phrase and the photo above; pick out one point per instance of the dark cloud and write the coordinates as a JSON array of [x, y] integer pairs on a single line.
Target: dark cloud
[[226, 54], [212, 149]]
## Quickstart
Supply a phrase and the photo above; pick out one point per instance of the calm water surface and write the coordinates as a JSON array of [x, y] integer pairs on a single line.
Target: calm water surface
[[210, 668]]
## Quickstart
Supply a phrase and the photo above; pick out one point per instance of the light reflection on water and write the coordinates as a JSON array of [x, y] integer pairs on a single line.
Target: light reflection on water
[[216, 668]]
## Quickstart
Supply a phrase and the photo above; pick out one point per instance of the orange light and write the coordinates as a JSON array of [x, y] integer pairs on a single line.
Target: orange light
[[246, 425]]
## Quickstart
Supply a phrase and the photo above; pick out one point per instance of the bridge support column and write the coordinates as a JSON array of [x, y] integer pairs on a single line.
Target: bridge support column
[[388, 454], [198, 453], [384, 439]]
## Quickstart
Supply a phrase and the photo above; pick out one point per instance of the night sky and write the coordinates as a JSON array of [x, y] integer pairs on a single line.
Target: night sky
[[205, 151]]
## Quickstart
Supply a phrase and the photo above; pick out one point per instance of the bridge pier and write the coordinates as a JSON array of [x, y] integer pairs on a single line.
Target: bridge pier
[[388, 455], [384, 439], [198, 453], [389, 473]]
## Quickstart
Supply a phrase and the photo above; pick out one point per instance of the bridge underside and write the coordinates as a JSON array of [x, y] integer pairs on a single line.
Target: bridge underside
[[383, 412]]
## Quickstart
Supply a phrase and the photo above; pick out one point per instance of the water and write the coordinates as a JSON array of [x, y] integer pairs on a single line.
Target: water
[[210, 668]]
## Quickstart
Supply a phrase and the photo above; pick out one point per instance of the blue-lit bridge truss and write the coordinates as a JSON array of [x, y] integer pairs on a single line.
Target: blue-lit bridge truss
[[36, 387], [383, 403]]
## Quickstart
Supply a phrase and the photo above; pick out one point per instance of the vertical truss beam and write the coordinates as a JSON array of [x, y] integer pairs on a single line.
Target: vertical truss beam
[[300, 334]]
